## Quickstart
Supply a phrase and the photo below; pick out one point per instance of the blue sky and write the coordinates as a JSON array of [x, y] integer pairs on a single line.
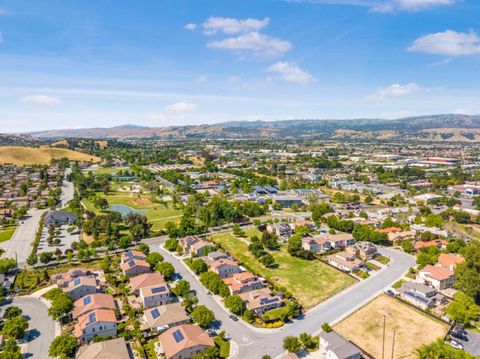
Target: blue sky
[[73, 64]]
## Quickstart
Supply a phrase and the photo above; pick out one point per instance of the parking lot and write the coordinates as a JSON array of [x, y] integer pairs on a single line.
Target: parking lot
[[66, 239], [472, 345]]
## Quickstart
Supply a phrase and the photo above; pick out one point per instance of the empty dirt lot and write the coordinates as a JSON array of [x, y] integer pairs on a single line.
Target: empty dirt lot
[[412, 328]]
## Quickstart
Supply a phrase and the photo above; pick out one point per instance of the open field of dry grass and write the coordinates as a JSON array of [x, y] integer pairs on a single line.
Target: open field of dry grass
[[412, 328], [21, 156]]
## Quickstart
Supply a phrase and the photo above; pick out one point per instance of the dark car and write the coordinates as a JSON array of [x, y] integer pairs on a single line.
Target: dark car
[[458, 328], [390, 293], [459, 335], [233, 317]]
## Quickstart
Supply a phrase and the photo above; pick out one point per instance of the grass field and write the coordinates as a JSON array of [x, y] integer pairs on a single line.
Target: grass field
[[7, 233], [311, 282], [156, 213], [21, 156], [412, 328]]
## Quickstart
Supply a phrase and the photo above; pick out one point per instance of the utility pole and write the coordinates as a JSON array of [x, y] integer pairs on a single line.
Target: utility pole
[[383, 341], [393, 344]]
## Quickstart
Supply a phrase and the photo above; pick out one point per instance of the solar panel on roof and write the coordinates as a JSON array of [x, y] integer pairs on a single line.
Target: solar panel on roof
[[131, 263], [87, 300], [155, 313], [158, 289], [92, 318], [76, 281], [128, 254], [178, 336]]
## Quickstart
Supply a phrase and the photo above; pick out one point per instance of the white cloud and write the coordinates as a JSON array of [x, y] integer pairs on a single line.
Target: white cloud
[[383, 5], [255, 43], [395, 90], [290, 72], [202, 78], [409, 5], [190, 26], [448, 43], [41, 100], [4, 11], [232, 26], [181, 107], [398, 114]]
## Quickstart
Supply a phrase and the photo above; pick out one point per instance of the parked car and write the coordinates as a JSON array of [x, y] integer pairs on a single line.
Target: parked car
[[233, 317], [390, 293], [459, 328], [455, 344], [459, 335]]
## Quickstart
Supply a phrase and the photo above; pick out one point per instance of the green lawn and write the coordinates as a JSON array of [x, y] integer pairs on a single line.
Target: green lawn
[[224, 347], [158, 214], [311, 282], [7, 233]]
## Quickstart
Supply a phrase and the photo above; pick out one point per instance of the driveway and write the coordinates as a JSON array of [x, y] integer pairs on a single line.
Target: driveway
[[42, 328], [254, 343]]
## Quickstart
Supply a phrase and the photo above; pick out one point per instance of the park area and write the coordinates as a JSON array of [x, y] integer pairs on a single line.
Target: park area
[[309, 281], [412, 328], [157, 213]]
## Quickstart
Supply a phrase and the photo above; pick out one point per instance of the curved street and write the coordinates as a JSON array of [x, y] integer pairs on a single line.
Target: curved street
[[41, 329], [253, 342]]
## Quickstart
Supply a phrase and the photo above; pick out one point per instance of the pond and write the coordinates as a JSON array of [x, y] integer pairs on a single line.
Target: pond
[[125, 210]]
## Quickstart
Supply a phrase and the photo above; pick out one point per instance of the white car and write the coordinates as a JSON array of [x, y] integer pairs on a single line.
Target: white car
[[456, 344]]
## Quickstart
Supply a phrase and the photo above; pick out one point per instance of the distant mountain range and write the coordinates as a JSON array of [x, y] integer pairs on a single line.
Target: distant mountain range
[[447, 127]]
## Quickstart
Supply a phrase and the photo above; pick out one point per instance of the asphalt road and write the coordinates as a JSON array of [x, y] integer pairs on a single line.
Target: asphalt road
[[253, 343], [20, 244], [41, 329]]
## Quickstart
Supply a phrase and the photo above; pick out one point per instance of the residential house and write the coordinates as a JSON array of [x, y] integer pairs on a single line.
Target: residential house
[[62, 279], [441, 244], [146, 280], [261, 300], [184, 341], [98, 322], [200, 248], [401, 236], [111, 349], [450, 260], [187, 242], [165, 316], [420, 295], [336, 346], [133, 264], [91, 302], [243, 282], [155, 295], [225, 267], [282, 230], [364, 250], [81, 286], [345, 261], [317, 244], [340, 240], [438, 277]]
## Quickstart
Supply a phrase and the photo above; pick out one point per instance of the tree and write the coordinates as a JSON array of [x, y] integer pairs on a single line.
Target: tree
[[203, 316], [291, 344], [12, 312], [154, 258], [45, 257], [199, 266], [182, 288], [326, 327], [11, 350], [235, 304], [408, 246], [62, 304], [166, 269], [267, 260], [145, 249], [15, 327], [101, 203], [7, 264], [295, 245], [171, 245], [307, 341], [63, 346], [32, 259], [441, 350], [463, 309], [189, 301]]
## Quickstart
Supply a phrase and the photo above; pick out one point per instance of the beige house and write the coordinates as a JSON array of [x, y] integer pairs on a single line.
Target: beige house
[[345, 261], [225, 267], [184, 341], [165, 316], [98, 322], [91, 302], [261, 300], [80, 287], [111, 349], [154, 296]]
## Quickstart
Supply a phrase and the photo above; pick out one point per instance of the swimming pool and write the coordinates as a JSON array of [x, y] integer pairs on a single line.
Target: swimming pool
[[125, 210]]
